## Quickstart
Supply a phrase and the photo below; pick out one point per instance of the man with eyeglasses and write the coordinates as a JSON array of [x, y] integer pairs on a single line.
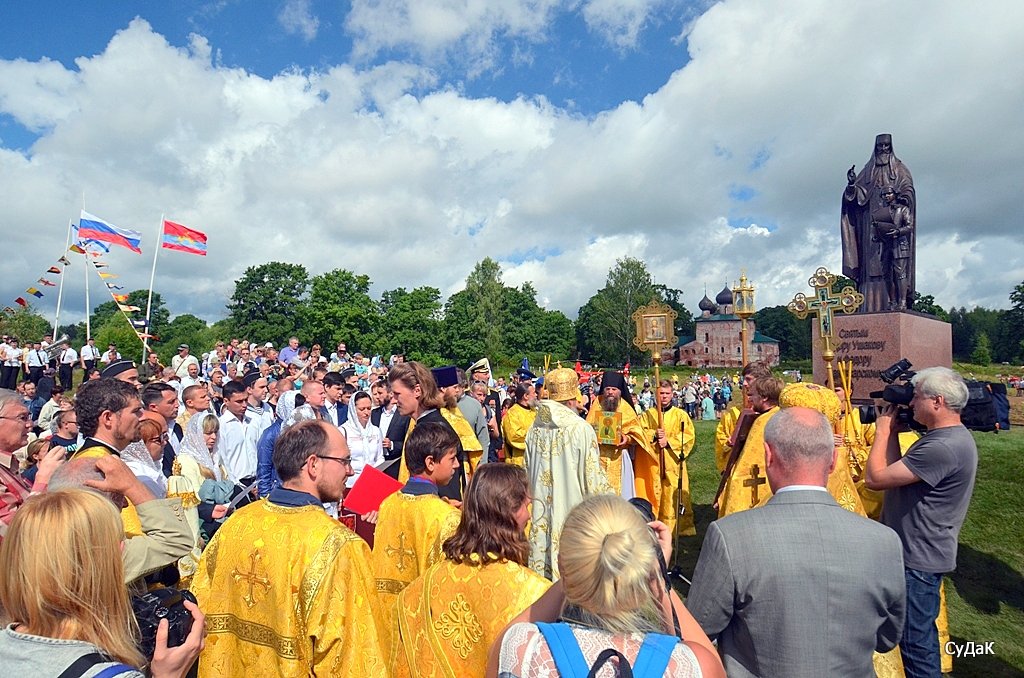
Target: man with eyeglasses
[[66, 435], [15, 423], [252, 581]]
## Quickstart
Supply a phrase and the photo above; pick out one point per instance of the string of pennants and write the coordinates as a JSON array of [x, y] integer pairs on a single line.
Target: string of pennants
[[45, 281]]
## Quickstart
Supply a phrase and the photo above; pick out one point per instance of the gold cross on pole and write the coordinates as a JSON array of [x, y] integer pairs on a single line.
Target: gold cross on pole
[[252, 578], [823, 304], [754, 482], [401, 550]]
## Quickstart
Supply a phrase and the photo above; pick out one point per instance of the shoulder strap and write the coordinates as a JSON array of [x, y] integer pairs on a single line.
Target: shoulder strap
[[87, 661], [569, 659], [654, 655]]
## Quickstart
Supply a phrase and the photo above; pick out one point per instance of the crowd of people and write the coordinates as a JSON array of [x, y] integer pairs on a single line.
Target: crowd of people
[[522, 525]]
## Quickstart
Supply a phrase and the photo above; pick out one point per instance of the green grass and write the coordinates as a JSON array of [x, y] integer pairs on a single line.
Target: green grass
[[986, 593]]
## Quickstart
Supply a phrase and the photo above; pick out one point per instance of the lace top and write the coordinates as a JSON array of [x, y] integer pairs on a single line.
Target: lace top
[[525, 653]]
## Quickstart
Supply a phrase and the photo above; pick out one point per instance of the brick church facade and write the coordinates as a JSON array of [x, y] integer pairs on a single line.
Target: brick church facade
[[717, 343]]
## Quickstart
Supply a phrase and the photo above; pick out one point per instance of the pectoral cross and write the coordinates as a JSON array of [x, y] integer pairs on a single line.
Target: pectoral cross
[[753, 482], [401, 550], [252, 578]]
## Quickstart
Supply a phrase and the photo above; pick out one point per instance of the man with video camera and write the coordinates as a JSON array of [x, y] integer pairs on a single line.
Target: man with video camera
[[927, 493]]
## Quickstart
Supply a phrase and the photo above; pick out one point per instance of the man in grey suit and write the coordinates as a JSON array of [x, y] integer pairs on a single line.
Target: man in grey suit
[[800, 586]]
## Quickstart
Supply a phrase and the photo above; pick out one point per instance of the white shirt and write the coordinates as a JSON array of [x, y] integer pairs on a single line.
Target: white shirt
[[364, 446], [68, 356], [110, 357], [332, 410], [36, 358], [236, 453], [386, 415], [180, 364], [90, 353]]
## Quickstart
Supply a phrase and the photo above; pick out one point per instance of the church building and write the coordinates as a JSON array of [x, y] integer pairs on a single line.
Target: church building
[[717, 343]]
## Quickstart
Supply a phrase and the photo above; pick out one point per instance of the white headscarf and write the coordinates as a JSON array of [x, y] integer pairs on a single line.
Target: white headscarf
[[285, 405], [303, 413], [193, 444], [137, 458]]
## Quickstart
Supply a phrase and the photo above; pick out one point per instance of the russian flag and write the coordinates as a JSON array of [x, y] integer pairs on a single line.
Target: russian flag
[[183, 239], [93, 228]]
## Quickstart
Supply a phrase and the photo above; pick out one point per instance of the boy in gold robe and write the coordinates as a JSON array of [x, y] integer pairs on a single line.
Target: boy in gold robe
[[413, 522], [517, 421], [727, 424], [287, 590], [447, 619], [675, 438], [747, 485]]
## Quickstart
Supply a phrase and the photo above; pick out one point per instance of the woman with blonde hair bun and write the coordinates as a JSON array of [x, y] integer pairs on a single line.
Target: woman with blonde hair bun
[[611, 606], [63, 592]]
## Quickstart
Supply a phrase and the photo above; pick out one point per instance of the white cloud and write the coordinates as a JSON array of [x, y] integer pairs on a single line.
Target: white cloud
[[619, 21], [297, 18], [467, 30], [391, 173]]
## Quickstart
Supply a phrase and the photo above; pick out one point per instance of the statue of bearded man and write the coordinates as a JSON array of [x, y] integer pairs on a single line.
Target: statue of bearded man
[[863, 251]]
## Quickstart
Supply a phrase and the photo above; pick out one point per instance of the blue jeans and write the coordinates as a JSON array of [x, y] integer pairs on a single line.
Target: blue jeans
[[919, 645]]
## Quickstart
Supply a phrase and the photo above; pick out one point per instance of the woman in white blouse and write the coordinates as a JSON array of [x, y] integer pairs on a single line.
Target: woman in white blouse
[[365, 442]]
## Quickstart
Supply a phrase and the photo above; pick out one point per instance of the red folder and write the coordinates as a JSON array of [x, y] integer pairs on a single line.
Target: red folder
[[370, 490]]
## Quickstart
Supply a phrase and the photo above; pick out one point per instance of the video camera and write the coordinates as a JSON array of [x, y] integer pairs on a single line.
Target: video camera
[[899, 394]]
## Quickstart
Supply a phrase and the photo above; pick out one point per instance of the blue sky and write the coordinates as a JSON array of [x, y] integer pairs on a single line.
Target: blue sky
[[408, 139]]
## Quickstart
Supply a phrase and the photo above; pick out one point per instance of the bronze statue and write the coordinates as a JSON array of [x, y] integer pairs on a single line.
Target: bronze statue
[[880, 262]]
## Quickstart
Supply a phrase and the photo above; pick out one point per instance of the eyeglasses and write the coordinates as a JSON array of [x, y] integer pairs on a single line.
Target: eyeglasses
[[24, 418], [345, 461]]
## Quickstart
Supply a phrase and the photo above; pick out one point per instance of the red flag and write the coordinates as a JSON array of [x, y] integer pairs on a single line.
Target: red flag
[[183, 239], [625, 370], [21, 302]]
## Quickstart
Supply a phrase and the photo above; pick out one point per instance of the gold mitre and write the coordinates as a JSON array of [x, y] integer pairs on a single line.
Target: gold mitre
[[806, 394], [562, 385]]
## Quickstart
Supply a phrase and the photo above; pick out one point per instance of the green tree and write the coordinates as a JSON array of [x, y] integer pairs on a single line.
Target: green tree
[[964, 333], [485, 294], [982, 353], [339, 308], [530, 331], [184, 329], [116, 330], [25, 324], [1009, 331], [410, 323], [268, 300], [605, 326], [794, 335], [158, 319], [685, 324], [461, 341], [925, 303]]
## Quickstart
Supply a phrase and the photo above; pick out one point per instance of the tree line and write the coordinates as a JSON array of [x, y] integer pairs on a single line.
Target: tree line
[[276, 300]]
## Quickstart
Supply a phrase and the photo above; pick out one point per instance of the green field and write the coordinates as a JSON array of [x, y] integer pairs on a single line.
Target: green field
[[986, 593]]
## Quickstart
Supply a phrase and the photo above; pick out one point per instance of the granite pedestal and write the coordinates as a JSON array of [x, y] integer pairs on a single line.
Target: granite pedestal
[[874, 341]]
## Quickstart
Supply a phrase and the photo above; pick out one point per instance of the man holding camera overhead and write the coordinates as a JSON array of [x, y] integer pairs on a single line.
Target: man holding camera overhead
[[926, 499]]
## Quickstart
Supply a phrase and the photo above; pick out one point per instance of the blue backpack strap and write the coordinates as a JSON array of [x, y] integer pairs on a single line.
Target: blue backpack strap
[[654, 655], [569, 659], [116, 670]]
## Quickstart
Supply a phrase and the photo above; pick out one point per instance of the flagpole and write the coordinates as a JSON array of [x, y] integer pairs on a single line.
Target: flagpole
[[60, 290], [157, 246]]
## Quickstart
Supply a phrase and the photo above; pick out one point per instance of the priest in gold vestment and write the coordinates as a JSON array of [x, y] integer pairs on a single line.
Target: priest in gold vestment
[[447, 618], [287, 590], [517, 421], [632, 465], [676, 438]]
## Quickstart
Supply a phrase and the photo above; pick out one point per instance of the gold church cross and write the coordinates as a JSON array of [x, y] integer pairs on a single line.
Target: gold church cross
[[252, 578], [754, 482], [402, 552], [823, 304]]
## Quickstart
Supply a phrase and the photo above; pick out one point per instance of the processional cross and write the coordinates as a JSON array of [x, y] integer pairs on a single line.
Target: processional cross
[[754, 482], [823, 304], [401, 550], [252, 578]]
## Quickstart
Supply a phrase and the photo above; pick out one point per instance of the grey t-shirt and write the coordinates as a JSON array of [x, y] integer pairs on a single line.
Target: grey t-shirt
[[927, 515]]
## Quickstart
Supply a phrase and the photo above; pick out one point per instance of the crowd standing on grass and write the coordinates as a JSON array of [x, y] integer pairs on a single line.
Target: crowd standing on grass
[[523, 524]]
